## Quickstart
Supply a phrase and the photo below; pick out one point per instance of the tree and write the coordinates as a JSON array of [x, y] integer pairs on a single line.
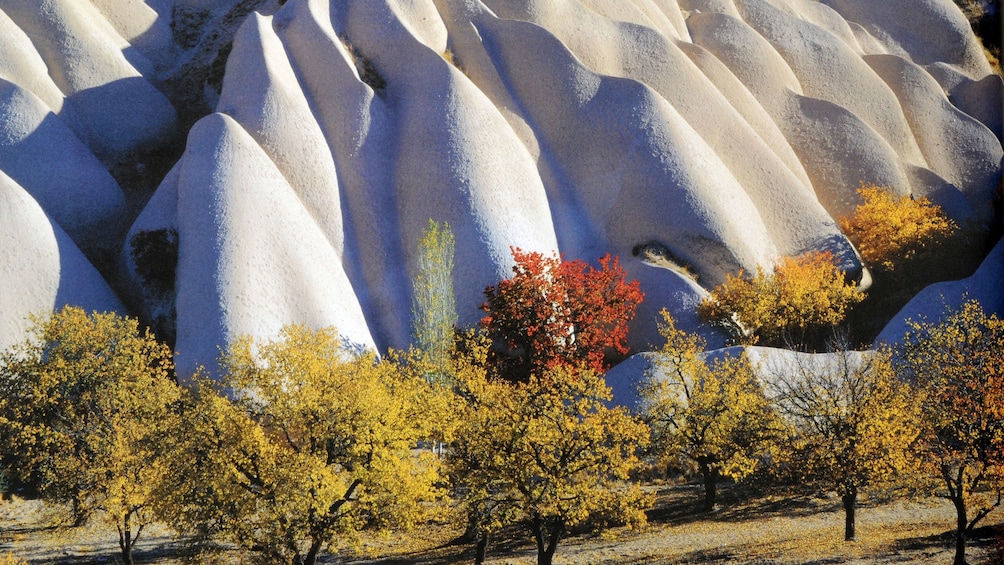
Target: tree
[[888, 229], [908, 243], [433, 305], [959, 363], [854, 421], [713, 414], [82, 404], [803, 298], [318, 444], [546, 454], [554, 312]]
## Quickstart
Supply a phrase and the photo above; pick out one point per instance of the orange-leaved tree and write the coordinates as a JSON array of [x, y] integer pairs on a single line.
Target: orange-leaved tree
[[792, 306], [959, 363], [908, 243], [553, 313], [889, 229]]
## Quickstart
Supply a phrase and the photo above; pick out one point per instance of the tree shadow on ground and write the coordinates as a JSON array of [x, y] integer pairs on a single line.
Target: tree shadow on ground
[[937, 541], [987, 538], [681, 504]]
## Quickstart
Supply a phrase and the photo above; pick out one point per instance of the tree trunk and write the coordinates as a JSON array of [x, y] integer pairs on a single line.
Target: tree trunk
[[547, 541], [710, 476], [480, 548], [315, 547], [960, 530], [126, 540], [850, 500]]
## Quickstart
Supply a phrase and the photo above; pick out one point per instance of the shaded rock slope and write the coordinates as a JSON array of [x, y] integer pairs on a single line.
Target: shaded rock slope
[[222, 168]]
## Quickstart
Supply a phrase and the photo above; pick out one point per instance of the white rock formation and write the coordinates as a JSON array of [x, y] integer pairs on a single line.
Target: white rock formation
[[250, 256], [71, 186], [725, 133], [932, 304], [109, 102], [768, 365], [41, 270]]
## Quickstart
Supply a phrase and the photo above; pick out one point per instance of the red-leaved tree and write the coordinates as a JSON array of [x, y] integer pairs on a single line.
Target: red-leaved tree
[[554, 312]]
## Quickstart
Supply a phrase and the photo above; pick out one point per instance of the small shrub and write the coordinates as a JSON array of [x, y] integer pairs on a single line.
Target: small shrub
[[155, 254], [450, 57]]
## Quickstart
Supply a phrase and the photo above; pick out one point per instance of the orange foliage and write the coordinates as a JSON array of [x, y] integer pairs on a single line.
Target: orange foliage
[[960, 364]]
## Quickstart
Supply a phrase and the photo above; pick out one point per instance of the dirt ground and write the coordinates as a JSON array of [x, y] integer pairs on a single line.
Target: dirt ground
[[765, 530]]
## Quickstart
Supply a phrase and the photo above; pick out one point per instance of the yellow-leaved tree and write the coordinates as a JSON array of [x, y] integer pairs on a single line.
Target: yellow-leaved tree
[[907, 242], [547, 454], [795, 305], [433, 304], [319, 443], [959, 363], [83, 404], [712, 413], [853, 421], [890, 229]]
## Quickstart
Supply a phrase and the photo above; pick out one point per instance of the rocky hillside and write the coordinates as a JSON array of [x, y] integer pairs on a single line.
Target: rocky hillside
[[227, 167]]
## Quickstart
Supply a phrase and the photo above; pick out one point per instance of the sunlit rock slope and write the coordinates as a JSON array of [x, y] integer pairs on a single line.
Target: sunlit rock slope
[[713, 135]]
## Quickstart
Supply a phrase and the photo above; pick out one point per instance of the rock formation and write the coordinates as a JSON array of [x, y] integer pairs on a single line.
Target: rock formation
[[722, 133]]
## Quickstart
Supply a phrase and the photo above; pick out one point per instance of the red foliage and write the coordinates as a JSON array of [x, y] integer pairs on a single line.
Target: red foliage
[[553, 313]]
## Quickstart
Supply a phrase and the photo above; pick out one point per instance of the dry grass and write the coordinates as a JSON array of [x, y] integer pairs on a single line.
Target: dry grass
[[993, 57], [768, 529], [450, 57]]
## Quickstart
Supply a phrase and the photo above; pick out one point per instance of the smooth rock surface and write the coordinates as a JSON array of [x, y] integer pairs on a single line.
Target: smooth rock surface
[[41, 270], [724, 133]]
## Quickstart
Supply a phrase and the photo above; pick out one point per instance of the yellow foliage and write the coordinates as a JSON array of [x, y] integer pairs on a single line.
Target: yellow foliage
[[854, 418], [433, 304], [888, 229], [959, 363], [712, 413], [854, 421], [318, 444], [82, 406], [803, 294], [11, 559], [545, 454]]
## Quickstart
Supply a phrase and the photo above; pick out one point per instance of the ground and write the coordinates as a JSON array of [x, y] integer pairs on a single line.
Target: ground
[[767, 529]]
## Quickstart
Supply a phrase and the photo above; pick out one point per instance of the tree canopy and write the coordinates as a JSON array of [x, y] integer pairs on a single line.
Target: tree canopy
[[433, 305], [554, 312], [546, 454], [959, 364], [712, 413], [319, 443], [795, 305], [890, 229], [83, 404], [853, 421]]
